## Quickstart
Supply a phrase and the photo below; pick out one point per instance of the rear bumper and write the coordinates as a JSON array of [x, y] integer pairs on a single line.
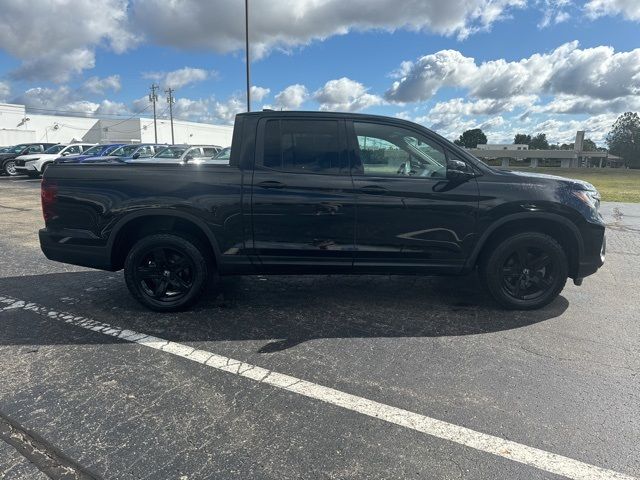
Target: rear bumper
[[66, 249]]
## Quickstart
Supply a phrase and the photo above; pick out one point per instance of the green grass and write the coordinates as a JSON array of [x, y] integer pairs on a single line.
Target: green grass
[[614, 184]]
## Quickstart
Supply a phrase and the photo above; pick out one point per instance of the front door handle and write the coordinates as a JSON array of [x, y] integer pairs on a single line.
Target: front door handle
[[373, 190], [271, 184]]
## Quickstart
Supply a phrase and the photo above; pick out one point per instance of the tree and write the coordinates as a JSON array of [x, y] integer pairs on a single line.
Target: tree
[[589, 145], [522, 139], [472, 138], [624, 139], [539, 142]]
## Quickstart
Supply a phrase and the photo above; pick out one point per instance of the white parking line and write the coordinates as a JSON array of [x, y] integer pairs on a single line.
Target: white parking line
[[543, 460]]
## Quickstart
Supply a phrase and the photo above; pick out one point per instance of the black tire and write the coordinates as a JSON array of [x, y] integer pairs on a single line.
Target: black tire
[[167, 272], [526, 271], [9, 168]]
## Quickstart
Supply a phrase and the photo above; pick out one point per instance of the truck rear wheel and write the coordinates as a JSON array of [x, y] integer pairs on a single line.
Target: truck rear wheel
[[526, 271], [166, 272]]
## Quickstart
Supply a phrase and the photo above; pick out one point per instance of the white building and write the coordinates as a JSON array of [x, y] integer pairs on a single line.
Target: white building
[[503, 146], [18, 126]]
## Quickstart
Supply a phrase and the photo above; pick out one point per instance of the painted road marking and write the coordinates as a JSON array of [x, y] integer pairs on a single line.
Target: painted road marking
[[543, 460]]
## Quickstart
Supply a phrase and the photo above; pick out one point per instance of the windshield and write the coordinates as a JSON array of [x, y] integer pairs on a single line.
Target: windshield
[[171, 152], [55, 149], [125, 151], [224, 154]]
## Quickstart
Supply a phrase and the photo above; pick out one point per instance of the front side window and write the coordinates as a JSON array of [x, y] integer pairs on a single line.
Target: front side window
[[387, 150], [95, 150], [171, 152], [145, 152], [209, 151], [73, 149], [35, 149], [303, 146], [124, 151]]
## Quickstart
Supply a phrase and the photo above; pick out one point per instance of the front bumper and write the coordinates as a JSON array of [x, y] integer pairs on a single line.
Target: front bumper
[[27, 167], [61, 247], [595, 248]]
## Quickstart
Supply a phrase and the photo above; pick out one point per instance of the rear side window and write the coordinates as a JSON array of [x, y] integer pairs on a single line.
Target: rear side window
[[303, 146]]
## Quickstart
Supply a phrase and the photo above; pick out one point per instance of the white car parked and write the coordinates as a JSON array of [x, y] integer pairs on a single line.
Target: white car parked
[[34, 165]]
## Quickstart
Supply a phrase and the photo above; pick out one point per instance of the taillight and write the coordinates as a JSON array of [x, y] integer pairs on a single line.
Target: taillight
[[49, 196]]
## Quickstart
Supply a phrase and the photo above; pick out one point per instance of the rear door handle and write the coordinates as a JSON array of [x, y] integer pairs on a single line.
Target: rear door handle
[[271, 184], [373, 190]]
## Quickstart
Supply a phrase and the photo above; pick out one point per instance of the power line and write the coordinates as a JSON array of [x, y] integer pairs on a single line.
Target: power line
[[81, 114]]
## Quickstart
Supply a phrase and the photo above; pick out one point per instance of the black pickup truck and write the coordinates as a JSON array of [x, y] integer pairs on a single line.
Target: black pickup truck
[[319, 193]]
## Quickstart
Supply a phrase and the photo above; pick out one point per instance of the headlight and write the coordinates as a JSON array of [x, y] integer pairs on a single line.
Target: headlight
[[590, 197]]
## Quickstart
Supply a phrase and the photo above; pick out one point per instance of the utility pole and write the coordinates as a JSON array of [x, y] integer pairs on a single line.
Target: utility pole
[[153, 98], [169, 91], [246, 40]]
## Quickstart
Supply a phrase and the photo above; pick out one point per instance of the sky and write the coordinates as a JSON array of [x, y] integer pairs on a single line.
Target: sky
[[506, 66]]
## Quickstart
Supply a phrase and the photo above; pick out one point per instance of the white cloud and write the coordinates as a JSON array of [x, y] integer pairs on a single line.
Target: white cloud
[[108, 107], [292, 97], [207, 110], [573, 104], [630, 9], [345, 95], [179, 78], [554, 12], [55, 67], [5, 90], [259, 93], [600, 73], [56, 39], [285, 24], [101, 85], [563, 131]]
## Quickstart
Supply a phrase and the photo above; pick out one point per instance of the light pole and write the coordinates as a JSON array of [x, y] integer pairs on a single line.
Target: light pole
[[246, 42]]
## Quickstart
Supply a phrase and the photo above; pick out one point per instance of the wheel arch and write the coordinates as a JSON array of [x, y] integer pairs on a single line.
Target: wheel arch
[[556, 226], [146, 222]]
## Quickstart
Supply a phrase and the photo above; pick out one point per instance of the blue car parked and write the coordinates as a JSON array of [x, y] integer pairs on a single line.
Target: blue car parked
[[127, 152], [95, 151]]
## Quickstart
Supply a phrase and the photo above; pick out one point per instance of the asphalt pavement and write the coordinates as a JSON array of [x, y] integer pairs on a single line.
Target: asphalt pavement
[[392, 376]]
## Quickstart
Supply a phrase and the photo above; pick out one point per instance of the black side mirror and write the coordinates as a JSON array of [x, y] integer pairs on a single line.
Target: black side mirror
[[188, 158], [136, 155], [459, 171]]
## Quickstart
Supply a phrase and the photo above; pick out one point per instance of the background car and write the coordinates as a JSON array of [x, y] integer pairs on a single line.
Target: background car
[[95, 151], [7, 158], [182, 154], [127, 152], [35, 165]]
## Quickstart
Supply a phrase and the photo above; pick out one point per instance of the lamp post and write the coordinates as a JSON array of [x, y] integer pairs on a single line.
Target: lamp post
[[246, 41]]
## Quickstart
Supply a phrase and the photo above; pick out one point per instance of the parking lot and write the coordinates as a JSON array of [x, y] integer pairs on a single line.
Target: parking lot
[[315, 377]]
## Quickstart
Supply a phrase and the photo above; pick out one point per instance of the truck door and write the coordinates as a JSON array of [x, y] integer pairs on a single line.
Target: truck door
[[410, 214], [302, 204]]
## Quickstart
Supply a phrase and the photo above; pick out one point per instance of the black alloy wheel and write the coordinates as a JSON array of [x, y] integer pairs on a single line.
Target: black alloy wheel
[[528, 273], [167, 272], [525, 271]]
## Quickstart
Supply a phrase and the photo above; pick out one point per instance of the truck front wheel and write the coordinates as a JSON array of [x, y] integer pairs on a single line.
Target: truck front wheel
[[166, 272], [526, 271]]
